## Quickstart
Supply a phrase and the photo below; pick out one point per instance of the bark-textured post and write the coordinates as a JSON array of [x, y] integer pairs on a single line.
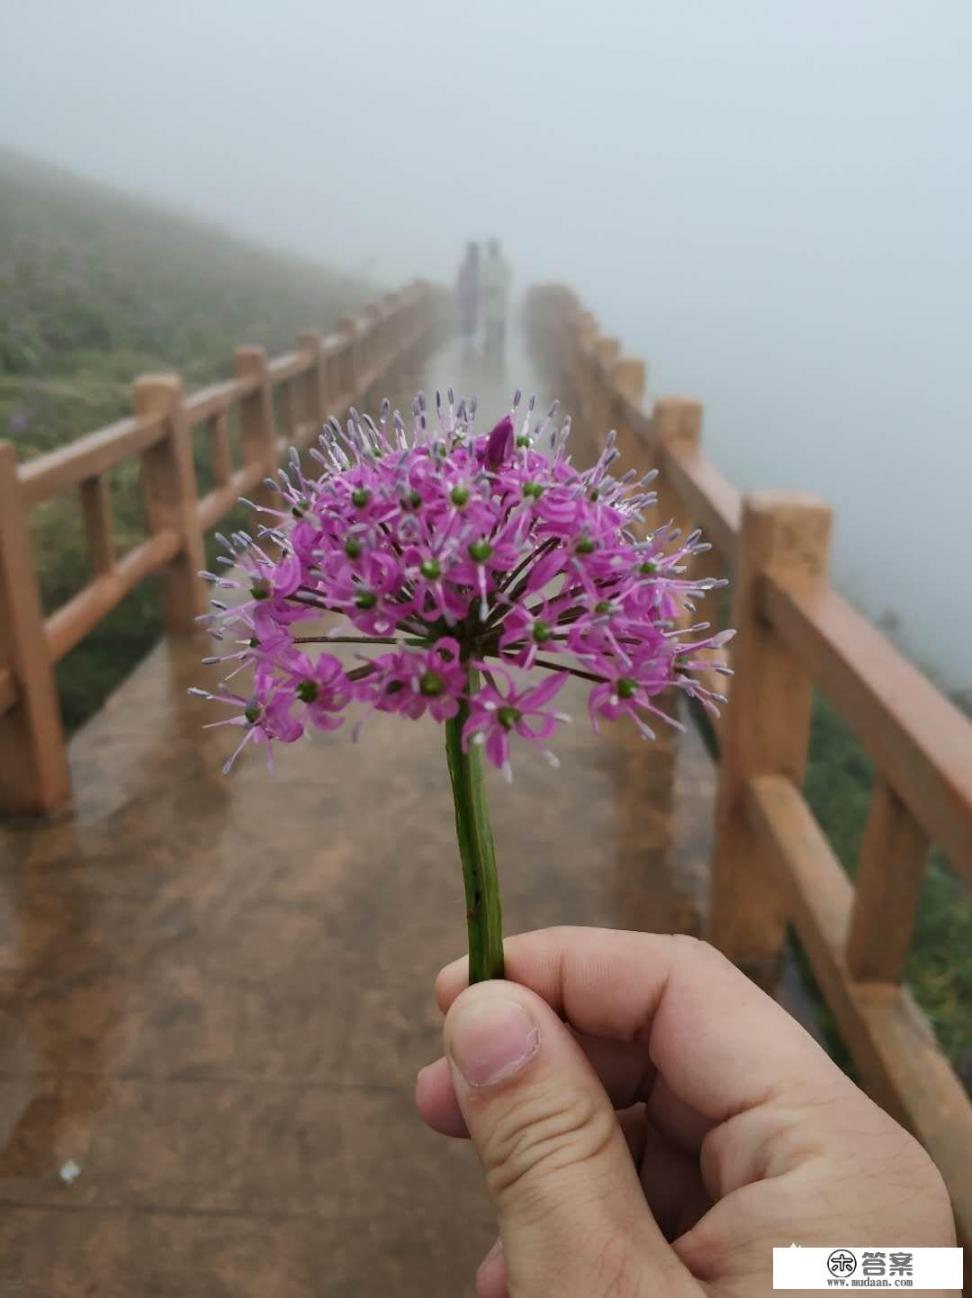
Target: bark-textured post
[[766, 727], [888, 885], [370, 348], [347, 327], [220, 449], [169, 478], [315, 381], [393, 325], [587, 334], [567, 361], [258, 433], [608, 350], [389, 330], [96, 511], [600, 417], [628, 376], [34, 774], [677, 428], [675, 422], [628, 380], [581, 332]]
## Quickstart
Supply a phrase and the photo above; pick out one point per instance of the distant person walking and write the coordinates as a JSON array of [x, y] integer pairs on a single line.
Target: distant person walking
[[467, 293], [494, 279]]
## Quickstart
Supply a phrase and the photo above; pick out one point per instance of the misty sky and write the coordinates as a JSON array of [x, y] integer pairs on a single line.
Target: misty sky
[[771, 201]]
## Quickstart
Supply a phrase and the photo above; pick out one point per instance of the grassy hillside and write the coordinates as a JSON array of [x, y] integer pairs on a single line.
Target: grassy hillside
[[96, 287]]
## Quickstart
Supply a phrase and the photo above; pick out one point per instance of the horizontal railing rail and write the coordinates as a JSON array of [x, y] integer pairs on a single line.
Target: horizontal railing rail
[[772, 864], [268, 406]]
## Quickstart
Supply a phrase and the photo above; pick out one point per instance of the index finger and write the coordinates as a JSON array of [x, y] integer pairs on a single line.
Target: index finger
[[722, 1045]]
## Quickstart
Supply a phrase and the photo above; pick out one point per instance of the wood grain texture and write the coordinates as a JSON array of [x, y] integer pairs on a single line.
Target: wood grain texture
[[169, 481], [96, 515], [893, 853], [766, 726], [33, 764]]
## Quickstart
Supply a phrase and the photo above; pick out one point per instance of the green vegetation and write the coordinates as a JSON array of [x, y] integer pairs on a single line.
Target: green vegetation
[[95, 288], [838, 789]]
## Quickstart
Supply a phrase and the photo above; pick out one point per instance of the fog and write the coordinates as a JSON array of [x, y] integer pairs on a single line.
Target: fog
[[771, 202]]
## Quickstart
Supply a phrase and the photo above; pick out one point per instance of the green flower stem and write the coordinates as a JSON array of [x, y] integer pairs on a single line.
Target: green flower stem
[[484, 921]]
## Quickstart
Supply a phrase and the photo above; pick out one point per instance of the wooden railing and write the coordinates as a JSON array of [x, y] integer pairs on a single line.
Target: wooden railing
[[276, 403], [772, 864]]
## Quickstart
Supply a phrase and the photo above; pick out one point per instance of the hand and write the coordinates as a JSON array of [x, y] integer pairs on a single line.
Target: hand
[[650, 1123]]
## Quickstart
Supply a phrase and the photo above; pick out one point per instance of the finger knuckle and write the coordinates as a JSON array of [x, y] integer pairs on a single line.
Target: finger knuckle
[[543, 1135]]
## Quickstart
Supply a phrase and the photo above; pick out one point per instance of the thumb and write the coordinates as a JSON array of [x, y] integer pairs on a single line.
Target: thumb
[[572, 1214]]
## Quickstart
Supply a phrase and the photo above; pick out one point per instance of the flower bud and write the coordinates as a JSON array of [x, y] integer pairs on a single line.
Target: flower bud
[[499, 445]]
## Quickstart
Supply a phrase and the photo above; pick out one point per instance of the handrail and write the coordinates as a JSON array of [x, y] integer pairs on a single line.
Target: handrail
[[217, 398], [772, 864], [715, 505], [80, 615], [58, 471], [326, 373], [920, 740], [290, 365]]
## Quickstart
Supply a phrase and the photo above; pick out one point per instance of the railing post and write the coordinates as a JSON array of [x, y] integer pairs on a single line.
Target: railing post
[[584, 370], [34, 774], [392, 328], [315, 386], [608, 350], [569, 361], [629, 378], [628, 381], [258, 435], [347, 327], [390, 331], [172, 497], [887, 888], [766, 727], [96, 511], [674, 421], [600, 417], [371, 318]]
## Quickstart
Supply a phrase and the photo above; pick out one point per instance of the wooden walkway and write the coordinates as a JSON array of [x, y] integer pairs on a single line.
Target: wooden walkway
[[215, 992]]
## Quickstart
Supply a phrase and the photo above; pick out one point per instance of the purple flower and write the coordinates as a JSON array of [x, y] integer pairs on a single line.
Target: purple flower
[[526, 631], [263, 719], [495, 714], [414, 682], [321, 686], [438, 553]]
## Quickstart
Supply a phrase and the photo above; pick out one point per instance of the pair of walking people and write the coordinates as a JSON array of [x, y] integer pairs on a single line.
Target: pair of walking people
[[483, 294]]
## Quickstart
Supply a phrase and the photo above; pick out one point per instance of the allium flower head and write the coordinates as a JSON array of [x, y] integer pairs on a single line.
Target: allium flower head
[[456, 563]]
